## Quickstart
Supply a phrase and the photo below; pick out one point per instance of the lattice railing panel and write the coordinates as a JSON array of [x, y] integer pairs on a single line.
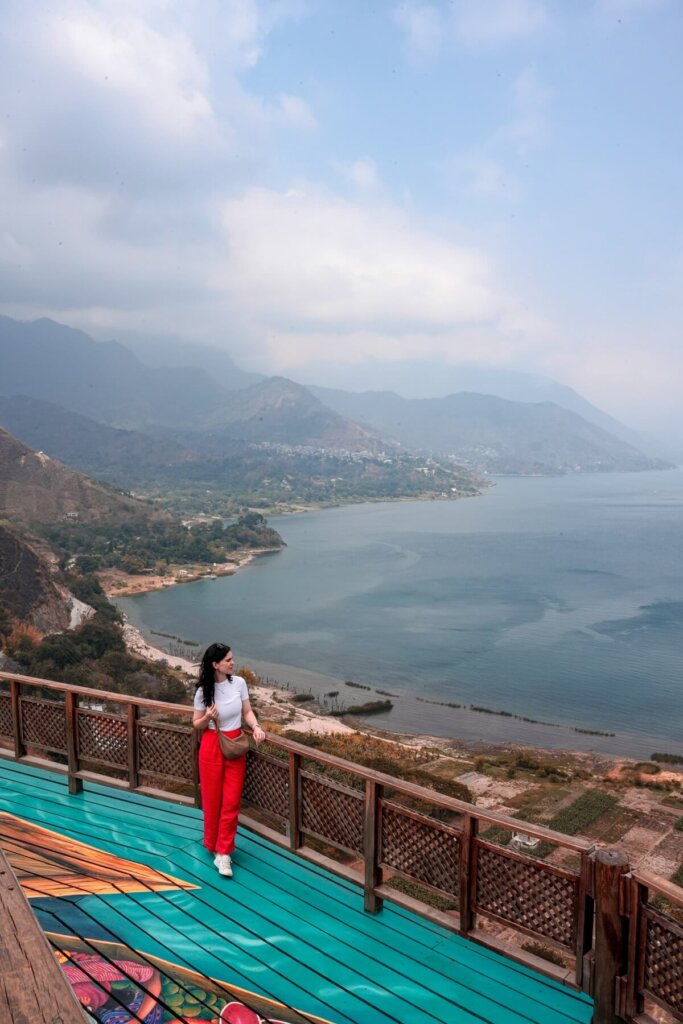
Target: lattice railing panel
[[332, 812], [420, 848], [664, 961], [527, 893], [6, 728], [164, 751], [267, 784], [43, 723], [102, 737]]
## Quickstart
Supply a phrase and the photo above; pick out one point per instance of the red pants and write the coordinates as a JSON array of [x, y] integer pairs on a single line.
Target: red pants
[[221, 784]]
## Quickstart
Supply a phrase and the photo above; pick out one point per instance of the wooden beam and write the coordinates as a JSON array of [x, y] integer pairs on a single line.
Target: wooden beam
[[33, 990], [610, 935], [372, 821], [71, 712]]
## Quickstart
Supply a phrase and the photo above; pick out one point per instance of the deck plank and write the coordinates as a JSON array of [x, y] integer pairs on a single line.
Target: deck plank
[[283, 926], [29, 968]]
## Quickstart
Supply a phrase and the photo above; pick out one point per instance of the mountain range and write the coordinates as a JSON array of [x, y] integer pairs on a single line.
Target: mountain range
[[169, 417], [498, 434], [122, 457]]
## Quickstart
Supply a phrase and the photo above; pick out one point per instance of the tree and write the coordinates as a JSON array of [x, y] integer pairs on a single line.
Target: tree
[[58, 648]]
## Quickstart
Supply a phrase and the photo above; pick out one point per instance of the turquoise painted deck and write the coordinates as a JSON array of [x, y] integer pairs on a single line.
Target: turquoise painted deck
[[282, 927]]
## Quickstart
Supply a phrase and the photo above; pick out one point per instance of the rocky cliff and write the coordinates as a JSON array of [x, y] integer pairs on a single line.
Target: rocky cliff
[[28, 591]]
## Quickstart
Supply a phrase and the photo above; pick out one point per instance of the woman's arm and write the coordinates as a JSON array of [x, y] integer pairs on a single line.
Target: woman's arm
[[201, 719], [250, 719]]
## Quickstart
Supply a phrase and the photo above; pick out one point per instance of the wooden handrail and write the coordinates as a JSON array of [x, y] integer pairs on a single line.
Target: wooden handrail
[[87, 691], [661, 886], [410, 789]]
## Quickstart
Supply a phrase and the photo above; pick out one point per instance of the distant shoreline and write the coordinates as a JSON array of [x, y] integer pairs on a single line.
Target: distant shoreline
[[117, 583]]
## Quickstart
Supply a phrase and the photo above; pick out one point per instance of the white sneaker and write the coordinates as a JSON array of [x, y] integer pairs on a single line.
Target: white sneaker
[[222, 862]]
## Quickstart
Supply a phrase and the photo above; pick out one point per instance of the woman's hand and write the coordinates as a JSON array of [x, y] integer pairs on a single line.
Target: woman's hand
[[201, 719], [258, 734]]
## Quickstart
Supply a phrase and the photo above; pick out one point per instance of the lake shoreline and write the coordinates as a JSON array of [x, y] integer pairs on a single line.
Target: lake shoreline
[[117, 583], [572, 741], [271, 694], [546, 615]]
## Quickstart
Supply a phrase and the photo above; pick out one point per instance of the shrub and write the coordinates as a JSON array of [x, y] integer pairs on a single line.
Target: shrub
[[371, 707], [586, 809], [421, 893], [545, 954]]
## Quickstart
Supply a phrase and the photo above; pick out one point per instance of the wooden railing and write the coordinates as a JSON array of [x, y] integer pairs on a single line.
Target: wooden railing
[[374, 829], [654, 959]]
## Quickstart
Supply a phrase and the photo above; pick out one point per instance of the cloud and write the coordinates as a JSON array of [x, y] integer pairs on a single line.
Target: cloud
[[627, 6], [296, 113], [422, 25], [361, 173], [122, 57], [327, 278], [528, 124], [475, 23], [123, 120], [144, 97], [309, 256], [490, 171], [497, 21], [483, 176]]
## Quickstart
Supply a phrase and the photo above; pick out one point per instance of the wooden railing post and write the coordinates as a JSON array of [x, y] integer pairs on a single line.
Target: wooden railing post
[[467, 882], [294, 808], [132, 744], [372, 903], [584, 922], [638, 896], [15, 691], [71, 712], [611, 935]]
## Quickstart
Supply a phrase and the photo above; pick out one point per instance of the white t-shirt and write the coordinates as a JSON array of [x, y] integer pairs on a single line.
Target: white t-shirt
[[228, 697]]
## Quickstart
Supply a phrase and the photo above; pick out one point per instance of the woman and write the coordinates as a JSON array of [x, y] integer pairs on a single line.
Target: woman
[[221, 702]]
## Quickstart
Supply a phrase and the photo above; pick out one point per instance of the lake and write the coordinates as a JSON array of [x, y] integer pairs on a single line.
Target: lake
[[558, 599]]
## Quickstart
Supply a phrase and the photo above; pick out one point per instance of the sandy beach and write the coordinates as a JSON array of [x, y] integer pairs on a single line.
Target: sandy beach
[[117, 583], [136, 644]]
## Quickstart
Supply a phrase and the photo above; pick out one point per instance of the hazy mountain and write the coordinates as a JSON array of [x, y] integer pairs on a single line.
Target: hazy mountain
[[215, 362], [103, 380], [499, 435], [106, 382], [281, 412], [37, 488], [118, 456], [527, 387], [428, 379], [28, 591]]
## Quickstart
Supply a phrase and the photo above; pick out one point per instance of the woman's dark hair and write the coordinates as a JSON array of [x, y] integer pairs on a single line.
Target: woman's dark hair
[[207, 673]]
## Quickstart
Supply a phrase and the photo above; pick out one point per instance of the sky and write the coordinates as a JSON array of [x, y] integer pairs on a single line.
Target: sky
[[356, 192]]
